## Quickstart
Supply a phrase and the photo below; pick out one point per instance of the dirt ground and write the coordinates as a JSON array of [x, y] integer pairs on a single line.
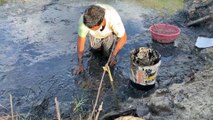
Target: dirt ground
[[184, 84], [38, 54]]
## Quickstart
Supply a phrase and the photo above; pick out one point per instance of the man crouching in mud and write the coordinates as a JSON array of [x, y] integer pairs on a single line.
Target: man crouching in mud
[[105, 27]]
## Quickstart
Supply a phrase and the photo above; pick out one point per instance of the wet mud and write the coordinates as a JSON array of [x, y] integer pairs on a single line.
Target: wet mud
[[145, 56], [38, 54]]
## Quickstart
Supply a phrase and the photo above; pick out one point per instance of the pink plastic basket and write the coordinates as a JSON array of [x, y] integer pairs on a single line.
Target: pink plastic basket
[[164, 33]]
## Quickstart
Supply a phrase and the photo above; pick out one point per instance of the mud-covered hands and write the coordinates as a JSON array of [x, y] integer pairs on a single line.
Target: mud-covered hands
[[112, 61], [78, 69]]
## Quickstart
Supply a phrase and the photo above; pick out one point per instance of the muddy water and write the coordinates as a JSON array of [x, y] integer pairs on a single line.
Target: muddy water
[[38, 54]]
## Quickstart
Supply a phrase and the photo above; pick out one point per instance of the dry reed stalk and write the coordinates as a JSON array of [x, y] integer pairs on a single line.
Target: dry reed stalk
[[57, 109], [11, 106], [97, 96], [99, 110], [100, 85]]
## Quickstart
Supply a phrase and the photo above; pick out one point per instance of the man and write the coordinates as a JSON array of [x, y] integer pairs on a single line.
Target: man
[[104, 26]]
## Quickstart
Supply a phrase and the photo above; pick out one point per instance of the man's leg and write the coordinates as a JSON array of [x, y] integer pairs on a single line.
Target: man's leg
[[95, 43], [107, 47], [108, 43]]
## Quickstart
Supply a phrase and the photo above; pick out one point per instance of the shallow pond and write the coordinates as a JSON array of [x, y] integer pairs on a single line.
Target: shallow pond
[[38, 54]]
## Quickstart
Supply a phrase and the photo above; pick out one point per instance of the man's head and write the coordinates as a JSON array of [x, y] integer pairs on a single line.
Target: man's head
[[93, 16]]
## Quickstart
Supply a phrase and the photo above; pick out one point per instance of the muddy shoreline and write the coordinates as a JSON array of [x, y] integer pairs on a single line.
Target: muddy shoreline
[[38, 54]]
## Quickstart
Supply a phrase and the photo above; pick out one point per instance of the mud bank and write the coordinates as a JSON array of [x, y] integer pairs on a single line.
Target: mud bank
[[184, 85], [38, 53], [188, 100]]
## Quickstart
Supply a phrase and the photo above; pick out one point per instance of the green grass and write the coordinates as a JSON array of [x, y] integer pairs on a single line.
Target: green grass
[[2, 2], [170, 6], [78, 104]]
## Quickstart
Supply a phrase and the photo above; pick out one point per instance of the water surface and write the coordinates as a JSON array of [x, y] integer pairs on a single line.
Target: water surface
[[38, 53]]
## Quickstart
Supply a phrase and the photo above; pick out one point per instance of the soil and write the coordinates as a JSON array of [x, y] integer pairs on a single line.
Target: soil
[[144, 57], [38, 54]]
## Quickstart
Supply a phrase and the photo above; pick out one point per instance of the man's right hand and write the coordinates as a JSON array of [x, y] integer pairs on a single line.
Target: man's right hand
[[112, 61], [78, 69]]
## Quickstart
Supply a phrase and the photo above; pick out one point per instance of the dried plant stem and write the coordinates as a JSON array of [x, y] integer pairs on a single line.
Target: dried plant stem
[[99, 110], [57, 109], [106, 69], [97, 96], [11, 106], [199, 20], [80, 117]]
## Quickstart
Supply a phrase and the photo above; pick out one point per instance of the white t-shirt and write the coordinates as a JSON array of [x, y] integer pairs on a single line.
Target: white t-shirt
[[113, 24]]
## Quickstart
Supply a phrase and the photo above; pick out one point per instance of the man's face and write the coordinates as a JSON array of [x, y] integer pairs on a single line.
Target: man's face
[[96, 27]]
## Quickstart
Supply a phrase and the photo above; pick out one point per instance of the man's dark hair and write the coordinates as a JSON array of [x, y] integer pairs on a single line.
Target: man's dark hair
[[93, 16]]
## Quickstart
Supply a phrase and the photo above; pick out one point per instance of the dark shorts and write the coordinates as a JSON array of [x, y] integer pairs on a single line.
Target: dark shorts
[[104, 44]]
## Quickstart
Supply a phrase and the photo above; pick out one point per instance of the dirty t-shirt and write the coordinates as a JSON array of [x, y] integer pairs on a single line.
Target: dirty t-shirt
[[113, 24]]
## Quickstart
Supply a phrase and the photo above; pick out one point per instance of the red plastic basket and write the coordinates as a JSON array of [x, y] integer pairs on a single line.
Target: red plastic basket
[[164, 33]]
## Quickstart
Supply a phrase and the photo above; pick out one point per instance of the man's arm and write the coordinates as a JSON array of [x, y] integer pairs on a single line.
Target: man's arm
[[80, 50], [120, 44], [118, 47]]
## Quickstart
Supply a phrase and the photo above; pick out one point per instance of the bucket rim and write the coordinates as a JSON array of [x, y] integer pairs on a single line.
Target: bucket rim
[[159, 62], [131, 52]]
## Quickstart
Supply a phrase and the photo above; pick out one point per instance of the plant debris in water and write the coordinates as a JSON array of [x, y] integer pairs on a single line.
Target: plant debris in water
[[145, 56]]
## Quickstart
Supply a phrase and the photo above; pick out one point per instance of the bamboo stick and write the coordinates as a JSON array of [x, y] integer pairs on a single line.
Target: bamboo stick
[[198, 20]]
